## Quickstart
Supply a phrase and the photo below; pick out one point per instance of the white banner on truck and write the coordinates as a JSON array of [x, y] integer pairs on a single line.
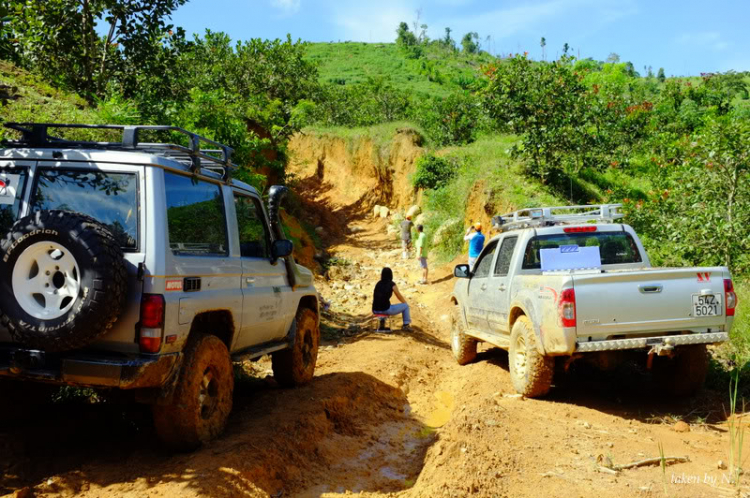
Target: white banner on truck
[[570, 258]]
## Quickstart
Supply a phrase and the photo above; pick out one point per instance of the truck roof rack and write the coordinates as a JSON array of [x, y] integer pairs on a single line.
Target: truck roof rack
[[218, 157], [558, 215]]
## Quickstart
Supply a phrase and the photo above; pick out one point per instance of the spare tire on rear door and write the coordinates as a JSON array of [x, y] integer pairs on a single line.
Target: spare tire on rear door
[[63, 280]]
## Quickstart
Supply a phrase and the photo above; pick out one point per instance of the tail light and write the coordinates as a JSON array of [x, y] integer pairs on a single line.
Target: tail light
[[730, 297], [568, 308], [589, 228], [152, 323]]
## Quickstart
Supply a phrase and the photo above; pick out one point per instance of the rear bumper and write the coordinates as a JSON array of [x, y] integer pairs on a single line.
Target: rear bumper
[[131, 372], [650, 342]]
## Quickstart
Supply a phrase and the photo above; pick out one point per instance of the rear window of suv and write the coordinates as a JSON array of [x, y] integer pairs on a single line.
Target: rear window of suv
[[110, 198], [12, 183], [615, 248], [195, 216]]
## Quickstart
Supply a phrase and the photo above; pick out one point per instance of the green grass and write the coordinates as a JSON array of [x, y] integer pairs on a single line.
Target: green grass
[[485, 160], [436, 73], [30, 99], [380, 134]]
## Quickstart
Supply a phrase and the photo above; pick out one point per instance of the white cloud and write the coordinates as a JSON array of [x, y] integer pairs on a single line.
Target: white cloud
[[286, 6], [706, 39]]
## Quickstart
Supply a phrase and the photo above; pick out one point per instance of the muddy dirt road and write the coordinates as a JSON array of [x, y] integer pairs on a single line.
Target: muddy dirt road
[[387, 415]]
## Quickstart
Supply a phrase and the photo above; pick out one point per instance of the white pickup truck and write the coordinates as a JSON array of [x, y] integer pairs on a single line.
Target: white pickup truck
[[555, 286]]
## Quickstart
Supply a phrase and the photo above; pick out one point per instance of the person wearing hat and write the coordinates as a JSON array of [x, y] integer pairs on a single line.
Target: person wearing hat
[[406, 226], [476, 242]]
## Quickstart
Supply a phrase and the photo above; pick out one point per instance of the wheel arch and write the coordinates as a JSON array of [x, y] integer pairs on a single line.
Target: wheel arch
[[310, 302], [219, 323], [519, 309]]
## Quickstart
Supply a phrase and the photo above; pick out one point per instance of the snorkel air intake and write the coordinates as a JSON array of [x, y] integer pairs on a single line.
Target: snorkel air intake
[[275, 196]]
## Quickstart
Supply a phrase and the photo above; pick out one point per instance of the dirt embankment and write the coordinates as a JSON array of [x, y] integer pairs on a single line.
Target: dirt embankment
[[354, 174]]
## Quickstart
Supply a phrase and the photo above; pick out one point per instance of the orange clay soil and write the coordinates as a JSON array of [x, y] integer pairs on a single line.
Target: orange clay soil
[[386, 414]]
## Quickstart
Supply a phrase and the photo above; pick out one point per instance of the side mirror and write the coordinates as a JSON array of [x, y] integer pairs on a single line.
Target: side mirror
[[281, 249], [462, 271]]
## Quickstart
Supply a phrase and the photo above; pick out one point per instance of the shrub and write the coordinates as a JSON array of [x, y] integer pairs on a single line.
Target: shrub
[[433, 172], [453, 120]]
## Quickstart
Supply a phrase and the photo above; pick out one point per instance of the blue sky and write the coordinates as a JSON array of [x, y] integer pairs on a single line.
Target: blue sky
[[685, 37]]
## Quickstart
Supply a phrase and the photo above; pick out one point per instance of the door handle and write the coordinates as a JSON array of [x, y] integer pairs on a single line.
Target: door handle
[[249, 281], [484, 287], [502, 287], [650, 289]]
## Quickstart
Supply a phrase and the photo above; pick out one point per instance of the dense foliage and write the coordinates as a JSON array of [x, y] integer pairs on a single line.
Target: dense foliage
[[59, 40], [433, 172], [688, 139], [253, 95]]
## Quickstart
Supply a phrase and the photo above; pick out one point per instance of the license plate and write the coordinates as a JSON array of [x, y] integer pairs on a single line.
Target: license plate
[[706, 305]]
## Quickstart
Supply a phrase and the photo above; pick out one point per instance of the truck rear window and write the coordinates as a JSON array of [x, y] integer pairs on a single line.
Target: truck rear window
[[109, 198], [615, 248]]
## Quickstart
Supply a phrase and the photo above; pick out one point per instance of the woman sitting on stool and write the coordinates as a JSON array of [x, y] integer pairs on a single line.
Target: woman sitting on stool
[[381, 300]]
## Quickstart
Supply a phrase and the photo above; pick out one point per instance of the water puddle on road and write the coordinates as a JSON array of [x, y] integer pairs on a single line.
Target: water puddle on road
[[442, 412]]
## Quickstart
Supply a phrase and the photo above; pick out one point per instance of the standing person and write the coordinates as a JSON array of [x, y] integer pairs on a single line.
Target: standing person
[[476, 242], [381, 299], [422, 252], [406, 226]]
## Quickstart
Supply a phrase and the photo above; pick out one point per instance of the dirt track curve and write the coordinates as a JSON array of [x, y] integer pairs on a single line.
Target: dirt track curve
[[386, 415]]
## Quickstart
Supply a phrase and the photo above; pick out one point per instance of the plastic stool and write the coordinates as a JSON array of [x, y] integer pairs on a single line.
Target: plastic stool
[[383, 322]]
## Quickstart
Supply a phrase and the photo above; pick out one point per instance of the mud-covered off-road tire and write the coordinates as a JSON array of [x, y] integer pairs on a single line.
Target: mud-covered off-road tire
[[464, 347], [296, 366], [202, 399], [530, 372], [683, 374], [63, 280]]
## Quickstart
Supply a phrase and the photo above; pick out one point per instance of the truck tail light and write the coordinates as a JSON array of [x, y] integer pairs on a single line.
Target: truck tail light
[[568, 308], [589, 228], [730, 297], [152, 323]]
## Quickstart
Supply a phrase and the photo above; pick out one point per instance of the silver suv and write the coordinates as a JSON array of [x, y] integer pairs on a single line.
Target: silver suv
[[145, 267]]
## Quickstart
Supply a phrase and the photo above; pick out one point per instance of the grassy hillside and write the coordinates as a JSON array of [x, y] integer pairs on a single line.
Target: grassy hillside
[[25, 97], [437, 72]]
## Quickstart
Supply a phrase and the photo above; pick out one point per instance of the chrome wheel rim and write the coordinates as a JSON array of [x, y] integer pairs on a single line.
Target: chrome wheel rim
[[46, 280]]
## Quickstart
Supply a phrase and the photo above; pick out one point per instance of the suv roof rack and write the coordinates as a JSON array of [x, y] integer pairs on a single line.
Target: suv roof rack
[[37, 135], [558, 215]]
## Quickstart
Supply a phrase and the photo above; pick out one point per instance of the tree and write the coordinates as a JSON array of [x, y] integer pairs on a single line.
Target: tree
[[58, 39], [660, 75], [405, 37], [613, 58], [448, 41], [543, 43], [470, 43], [246, 94], [699, 211], [566, 48], [453, 120], [545, 103]]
